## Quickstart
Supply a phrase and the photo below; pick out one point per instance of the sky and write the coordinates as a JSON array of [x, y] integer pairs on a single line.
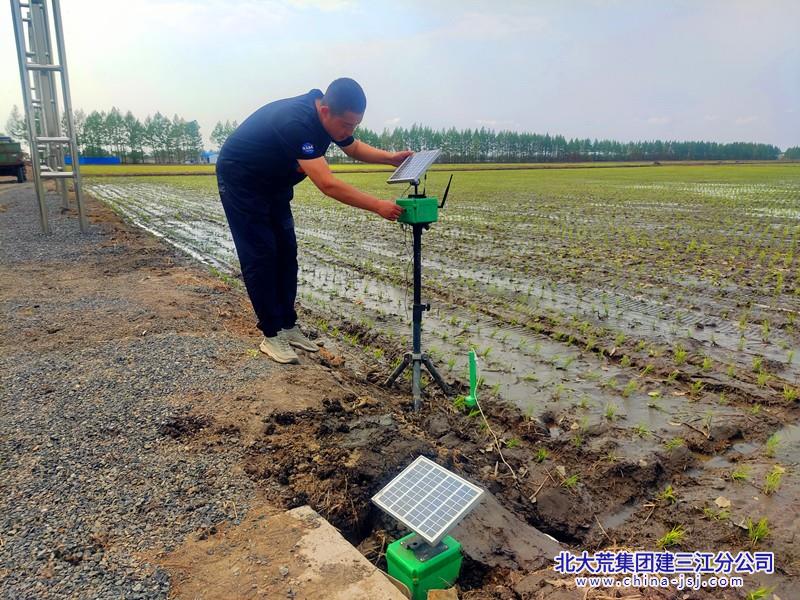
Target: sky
[[716, 70]]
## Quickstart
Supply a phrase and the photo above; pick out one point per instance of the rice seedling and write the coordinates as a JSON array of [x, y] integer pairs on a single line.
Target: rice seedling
[[771, 446], [789, 393], [741, 473], [610, 411], [674, 443], [668, 495], [680, 354], [759, 593], [717, 515], [696, 388], [756, 532], [541, 455], [672, 538], [773, 480], [570, 482], [641, 430], [630, 387]]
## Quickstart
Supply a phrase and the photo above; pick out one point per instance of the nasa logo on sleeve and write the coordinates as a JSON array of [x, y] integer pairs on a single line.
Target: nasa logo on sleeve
[[307, 148]]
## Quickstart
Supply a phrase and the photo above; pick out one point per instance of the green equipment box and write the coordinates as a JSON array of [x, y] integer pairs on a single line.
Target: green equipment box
[[419, 210], [422, 568]]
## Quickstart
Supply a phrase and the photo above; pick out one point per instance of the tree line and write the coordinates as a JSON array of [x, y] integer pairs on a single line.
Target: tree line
[[166, 140], [486, 145], [101, 133]]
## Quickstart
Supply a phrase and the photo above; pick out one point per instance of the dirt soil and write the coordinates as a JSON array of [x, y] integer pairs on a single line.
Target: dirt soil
[[324, 433]]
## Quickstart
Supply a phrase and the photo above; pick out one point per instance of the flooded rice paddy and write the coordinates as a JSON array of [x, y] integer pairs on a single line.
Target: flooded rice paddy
[[645, 319]]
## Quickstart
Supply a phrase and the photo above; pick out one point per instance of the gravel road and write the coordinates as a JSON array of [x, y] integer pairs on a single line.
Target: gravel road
[[95, 475]]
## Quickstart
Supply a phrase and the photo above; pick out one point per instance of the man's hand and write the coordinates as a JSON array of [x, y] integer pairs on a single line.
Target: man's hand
[[397, 158], [389, 210]]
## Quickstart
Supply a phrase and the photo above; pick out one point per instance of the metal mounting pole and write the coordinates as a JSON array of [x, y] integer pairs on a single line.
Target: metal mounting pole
[[416, 358]]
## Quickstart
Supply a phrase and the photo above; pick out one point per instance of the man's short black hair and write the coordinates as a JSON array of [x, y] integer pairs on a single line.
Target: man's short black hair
[[345, 94]]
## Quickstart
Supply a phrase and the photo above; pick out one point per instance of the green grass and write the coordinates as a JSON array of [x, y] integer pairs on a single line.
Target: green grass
[[148, 169]]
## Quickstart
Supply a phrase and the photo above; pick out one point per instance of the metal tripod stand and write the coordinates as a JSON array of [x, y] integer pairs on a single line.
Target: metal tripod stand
[[416, 358]]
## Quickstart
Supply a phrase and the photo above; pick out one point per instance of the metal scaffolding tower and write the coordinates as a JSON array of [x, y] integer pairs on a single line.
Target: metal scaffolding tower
[[41, 88]]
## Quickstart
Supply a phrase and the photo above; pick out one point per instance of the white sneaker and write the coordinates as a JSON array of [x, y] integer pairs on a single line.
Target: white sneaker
[[279, 350], [296, 338]]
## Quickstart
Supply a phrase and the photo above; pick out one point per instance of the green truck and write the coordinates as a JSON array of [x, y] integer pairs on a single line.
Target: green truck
[[11, 159]]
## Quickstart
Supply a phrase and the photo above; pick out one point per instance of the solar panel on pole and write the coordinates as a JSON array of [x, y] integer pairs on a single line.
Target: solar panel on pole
[[414, 166]]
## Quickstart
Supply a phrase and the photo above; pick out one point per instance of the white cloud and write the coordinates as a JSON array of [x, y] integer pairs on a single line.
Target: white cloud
[[496, 124], [658, 120], [324, 5], [392, 122], [745, 120], [491, 25]]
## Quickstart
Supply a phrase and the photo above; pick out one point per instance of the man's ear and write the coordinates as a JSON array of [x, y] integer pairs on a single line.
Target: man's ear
[[325, 111]]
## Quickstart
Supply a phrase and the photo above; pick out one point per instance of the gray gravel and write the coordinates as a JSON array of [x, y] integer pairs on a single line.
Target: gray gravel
[[89, 477]]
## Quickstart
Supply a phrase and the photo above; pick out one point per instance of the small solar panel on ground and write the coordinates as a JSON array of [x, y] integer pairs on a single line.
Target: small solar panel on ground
[[428, 499], [414, 166]]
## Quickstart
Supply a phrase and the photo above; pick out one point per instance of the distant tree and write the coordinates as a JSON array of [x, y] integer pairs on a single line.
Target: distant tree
[[94, 134], [221, 132], [115, 135], [218, 136], [194, 140], [157, 134], [134, 137], [792, 153], [16, 126]]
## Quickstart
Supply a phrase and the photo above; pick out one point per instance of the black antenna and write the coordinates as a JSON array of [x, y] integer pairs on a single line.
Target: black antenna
[[446, 191]]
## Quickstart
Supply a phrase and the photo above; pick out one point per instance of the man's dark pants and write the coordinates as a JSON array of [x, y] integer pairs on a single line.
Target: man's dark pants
[[261, 222]]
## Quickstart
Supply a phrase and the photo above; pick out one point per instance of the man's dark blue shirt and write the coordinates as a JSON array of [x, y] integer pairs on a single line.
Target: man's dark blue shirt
[[269, 142]]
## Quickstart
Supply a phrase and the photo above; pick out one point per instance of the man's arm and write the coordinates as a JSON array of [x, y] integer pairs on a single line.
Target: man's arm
[[366, 153], [319, 172]]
